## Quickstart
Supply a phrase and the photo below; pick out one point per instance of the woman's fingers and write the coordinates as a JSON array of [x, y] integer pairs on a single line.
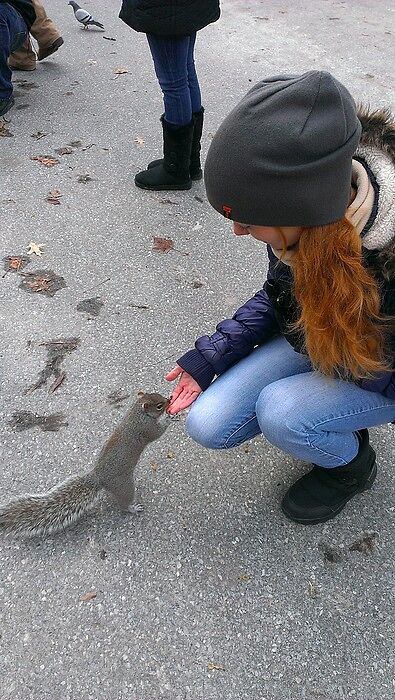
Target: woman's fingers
[[184, 399], [173, 374]]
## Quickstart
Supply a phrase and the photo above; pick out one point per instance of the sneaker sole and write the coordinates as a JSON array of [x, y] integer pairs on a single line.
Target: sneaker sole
[[368, 485]]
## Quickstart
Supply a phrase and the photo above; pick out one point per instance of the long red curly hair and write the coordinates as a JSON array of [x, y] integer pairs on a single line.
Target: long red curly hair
[[339, 299]]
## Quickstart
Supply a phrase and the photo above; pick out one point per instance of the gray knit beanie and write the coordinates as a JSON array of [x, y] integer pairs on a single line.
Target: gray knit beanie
[[283, 156]]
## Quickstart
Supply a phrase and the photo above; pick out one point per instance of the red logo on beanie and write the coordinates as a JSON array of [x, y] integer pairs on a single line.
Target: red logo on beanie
[[226, 211]]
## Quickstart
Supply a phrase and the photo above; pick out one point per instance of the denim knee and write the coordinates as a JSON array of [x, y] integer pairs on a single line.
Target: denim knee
[[277, 415], [203, 428]]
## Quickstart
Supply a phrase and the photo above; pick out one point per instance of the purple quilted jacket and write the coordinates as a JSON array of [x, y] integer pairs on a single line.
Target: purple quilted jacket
[[266, 314]]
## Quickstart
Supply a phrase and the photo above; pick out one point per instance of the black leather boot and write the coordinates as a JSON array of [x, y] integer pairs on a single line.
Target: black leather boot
[[173, 172], [322, 493], [195, 169]]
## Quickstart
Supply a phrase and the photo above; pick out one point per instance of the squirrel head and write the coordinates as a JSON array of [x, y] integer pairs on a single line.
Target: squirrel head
[[154, 405]]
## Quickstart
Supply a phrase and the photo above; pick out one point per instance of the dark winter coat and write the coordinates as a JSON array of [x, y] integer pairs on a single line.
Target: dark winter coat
[[169, 17], [25, 9], [274, 307]]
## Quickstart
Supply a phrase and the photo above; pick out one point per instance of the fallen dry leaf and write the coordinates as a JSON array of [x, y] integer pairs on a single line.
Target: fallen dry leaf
[[139, 140], [46, 282], [120, 71], [215, 667], [88, 596], [38, 284], [38, 135], [154, 466], [75, 144], [34, 248], [64, 151], [170, 455], [244, 577], [53, 197], [15, 263], [48, 161], [4, 132], [163, 244]]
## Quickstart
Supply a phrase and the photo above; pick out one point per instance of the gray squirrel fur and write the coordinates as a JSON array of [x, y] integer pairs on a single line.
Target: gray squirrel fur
[[49, 512]]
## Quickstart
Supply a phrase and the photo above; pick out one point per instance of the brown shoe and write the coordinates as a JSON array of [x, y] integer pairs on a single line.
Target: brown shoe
[[19, 66], [44, 53]]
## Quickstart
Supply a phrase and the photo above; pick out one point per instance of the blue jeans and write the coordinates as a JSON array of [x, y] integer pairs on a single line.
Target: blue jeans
[[13, 32], [274, 391], [175, 69]]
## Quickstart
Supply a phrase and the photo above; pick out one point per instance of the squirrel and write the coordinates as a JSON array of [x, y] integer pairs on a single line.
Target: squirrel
[[50, 512]]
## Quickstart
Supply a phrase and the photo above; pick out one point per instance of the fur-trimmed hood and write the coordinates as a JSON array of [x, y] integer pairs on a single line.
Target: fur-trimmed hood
[[378, 129], [378, 137]]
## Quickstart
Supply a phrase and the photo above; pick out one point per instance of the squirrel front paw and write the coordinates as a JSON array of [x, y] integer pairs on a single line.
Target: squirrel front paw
[[135, 508]]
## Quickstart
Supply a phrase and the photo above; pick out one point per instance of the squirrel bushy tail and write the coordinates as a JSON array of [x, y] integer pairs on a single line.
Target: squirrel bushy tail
[[47, 513]]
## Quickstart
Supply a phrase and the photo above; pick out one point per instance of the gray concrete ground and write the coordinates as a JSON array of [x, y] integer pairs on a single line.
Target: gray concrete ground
[[210, 593]]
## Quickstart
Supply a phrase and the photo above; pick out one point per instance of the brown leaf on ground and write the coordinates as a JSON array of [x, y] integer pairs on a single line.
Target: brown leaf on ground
[[45, 282], [4, 132], [162, 245], [120, 71], [53, 197], [39, 284], [170, 455], [48, 161], [14, 263], [38, 135], [64, 151], [139, 140], [215, 667], [90, 595]]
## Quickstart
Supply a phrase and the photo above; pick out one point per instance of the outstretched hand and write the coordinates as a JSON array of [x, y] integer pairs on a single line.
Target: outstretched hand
[[186, 391]]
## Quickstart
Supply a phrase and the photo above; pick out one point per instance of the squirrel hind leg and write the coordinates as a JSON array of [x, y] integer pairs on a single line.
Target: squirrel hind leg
[[124, 495]]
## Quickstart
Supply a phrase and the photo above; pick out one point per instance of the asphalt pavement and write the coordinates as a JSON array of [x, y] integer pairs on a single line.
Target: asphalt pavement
[[210, 593]]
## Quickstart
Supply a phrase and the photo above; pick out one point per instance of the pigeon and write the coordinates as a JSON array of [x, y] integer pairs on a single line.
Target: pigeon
[[83, 16]]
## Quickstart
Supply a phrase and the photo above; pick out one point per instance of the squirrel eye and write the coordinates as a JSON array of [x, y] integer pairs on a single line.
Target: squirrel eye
[[159, 406]]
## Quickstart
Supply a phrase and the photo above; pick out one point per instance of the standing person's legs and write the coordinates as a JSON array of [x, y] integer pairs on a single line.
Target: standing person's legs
[[172, 172], [193, 82], [47, 35], [170, 58], [195, 168], [13, 32]]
